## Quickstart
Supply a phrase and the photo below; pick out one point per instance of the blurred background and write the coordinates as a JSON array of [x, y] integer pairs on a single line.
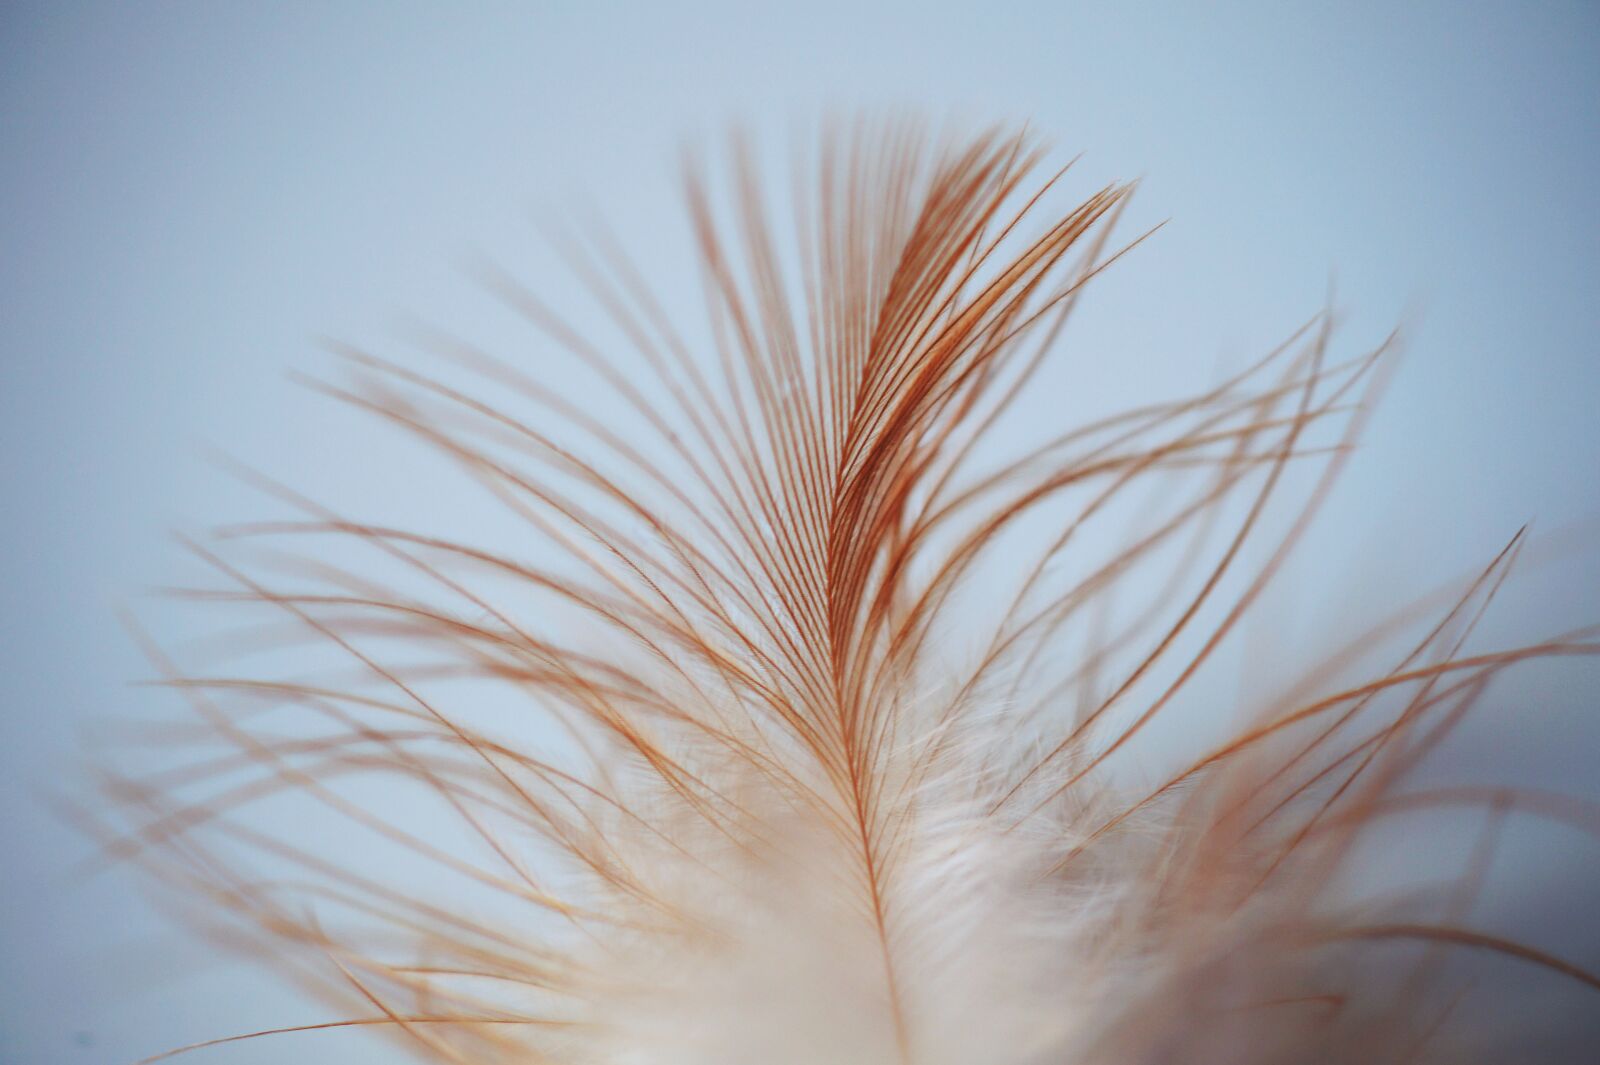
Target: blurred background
[[192, 194]]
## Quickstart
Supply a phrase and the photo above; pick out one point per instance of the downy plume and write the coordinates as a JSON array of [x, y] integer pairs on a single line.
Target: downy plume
[[793, 725]]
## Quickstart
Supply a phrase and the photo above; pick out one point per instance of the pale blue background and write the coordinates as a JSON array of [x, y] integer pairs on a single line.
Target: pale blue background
[[190, 193]]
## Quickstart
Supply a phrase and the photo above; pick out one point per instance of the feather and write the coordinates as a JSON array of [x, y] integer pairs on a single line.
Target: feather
[[789, 729]]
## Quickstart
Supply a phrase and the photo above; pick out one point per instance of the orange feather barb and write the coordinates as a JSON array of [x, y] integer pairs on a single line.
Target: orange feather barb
[[799, 720]]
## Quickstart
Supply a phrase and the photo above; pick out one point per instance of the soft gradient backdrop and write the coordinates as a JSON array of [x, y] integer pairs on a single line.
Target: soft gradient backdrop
[[192, 193]]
